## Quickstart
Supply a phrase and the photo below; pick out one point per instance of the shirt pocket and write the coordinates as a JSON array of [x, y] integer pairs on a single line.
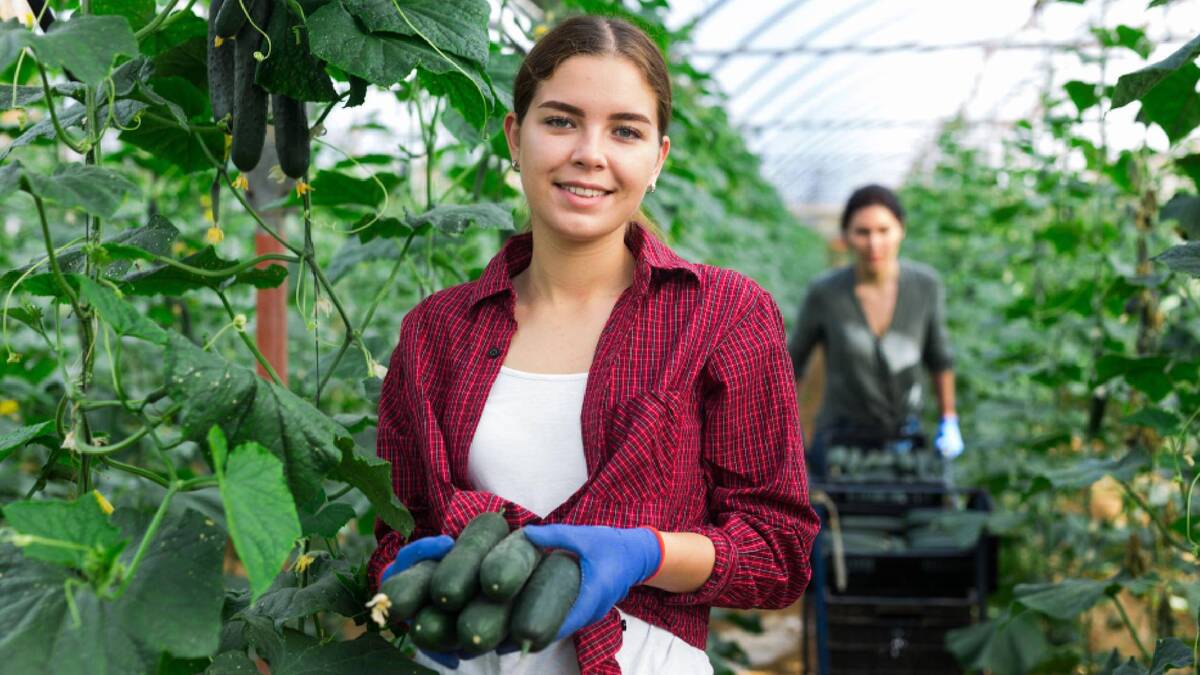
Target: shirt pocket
[[640, 446]]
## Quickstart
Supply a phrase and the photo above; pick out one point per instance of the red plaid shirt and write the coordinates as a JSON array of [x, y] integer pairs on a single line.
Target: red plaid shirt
[[690, 424]]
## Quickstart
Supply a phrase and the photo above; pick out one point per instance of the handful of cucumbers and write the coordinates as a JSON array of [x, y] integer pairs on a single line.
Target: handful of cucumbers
[[492, 586]]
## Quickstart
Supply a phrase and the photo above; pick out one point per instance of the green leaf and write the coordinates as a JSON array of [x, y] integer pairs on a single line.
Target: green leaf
[[1184, 258], [1191, 166], [173, 604], [328, 521], [80, 528], [123, 112], [247, 408], [1146, 374], [1083, 94], [29, 94], [292, 70], [86, 45], [1084, 472], [232, 663], [159, 134], [1173, 104], [1007, 645], [1064, 600], [1170, 653], [373, 477], [259, 511], [456, 218], [93, 189], [180, 28], [334, 188], [13, 38], [1165, 422], [168, 280], [15, 439], [1185, 210], [331, 587], [456, 27], [300, 654], [1136, 85], [123, 317], [137, 12], [354, 252]]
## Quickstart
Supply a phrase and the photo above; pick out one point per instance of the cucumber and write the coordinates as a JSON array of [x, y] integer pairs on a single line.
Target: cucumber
[[483, 625], [230, 19], [249, 99], [408, 590], [543, 604], [220, 67], [507, 567], [433, 630], [291, 135], [456, 579]]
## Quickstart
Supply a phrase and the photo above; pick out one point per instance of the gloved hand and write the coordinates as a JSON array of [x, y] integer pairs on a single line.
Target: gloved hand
[[949, 439], [425, 548], [612, 561]]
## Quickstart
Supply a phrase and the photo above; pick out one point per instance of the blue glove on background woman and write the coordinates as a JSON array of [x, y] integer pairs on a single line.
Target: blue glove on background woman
[[949, 439], [612, 560]]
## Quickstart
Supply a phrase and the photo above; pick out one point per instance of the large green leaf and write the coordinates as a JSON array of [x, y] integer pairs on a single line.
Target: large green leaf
[[137, 12], [454, 26], [78, 529], [214, 391], [331, 587], [1065, 599], [1135, 85], [292, 70], [168, 280], [1084, 472], [328, 521], [122, 316], [260, 513], [1165, 422], [456, 218], [93, 189], [387, 58], [1191, 166], [373, 477], [173, 604], [334, 188], [1147, 374], [1170, 653], [300, 654], [86, 45], [1007, 645], [354, 252], [160, 135], [123, 112], [1083, 94], [180, 28], [1185, 210], [1184, 258], [15, 439], [1173, 104]]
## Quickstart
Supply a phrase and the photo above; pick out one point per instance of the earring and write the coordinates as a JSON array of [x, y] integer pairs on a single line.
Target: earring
[[516, 166], [652, 187]]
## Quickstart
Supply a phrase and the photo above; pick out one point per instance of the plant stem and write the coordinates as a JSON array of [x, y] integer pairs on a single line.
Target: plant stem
[[225, 271], [158, 20], [199, 483], [340, 493], [135, 470], [258, 355], [149, 535], [1170, 537], [62, 134], [1132, 631]]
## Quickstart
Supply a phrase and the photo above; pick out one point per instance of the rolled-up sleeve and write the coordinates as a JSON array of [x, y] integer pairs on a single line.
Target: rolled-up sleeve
[[394, 443], [762, 525], [937, 354]]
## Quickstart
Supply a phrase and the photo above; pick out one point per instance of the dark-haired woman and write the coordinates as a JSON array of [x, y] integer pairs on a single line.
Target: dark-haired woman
[[880, 321], [618, 401]]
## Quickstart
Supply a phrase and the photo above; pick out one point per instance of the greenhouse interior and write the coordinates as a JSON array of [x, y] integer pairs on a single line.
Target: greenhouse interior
[[600, 336]]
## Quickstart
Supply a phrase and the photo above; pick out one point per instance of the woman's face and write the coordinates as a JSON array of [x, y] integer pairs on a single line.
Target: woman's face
[[874, 234], [588, 147]]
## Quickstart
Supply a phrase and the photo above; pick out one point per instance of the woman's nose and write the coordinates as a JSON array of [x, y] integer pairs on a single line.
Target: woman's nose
[[588, 151]]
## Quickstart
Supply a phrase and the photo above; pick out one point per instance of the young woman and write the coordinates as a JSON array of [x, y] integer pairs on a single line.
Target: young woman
[[625, 404], [879, 320]]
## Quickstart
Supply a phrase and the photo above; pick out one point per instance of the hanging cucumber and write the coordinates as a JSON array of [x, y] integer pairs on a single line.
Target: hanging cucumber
[[250, 100], [230, 19], [291, 135], [220, 66]]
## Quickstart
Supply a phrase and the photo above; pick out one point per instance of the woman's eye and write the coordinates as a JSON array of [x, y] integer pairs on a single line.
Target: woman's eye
[[558, 122], [628, 132]]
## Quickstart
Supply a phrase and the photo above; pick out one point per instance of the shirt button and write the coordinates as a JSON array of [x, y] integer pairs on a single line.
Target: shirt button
[[493, 352], [623, 626]]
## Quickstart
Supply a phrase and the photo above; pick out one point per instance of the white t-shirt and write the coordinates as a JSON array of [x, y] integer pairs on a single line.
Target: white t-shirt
[[528, 448]]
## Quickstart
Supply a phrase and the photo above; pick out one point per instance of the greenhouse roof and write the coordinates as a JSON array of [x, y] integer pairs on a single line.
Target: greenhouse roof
[[835, 93]]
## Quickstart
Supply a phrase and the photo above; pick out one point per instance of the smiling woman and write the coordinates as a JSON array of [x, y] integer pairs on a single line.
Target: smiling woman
[[611, 398]]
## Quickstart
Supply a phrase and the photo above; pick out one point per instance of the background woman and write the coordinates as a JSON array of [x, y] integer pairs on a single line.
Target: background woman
[[628, 405], [880, 320]]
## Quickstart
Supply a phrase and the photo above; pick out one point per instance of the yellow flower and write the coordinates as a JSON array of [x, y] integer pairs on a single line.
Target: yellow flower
[[302, 563], [214, 236], [379, 606], [540, 30], [240, 183], [14, 357], [9, 406], [218, 41], [178, 248], [302, 188], [105, 506]]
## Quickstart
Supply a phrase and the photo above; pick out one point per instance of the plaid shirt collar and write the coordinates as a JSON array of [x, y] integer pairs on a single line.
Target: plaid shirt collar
[[650, 254]]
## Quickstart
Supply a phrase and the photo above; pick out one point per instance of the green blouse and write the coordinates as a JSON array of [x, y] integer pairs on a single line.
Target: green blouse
[[873, 382]]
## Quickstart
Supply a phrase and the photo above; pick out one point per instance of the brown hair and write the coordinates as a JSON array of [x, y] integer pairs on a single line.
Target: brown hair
[[596, 36]]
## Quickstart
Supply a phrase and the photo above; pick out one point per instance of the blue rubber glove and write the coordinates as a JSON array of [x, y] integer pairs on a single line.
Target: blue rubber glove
[[612, 561], [426, 548], [949, 439]]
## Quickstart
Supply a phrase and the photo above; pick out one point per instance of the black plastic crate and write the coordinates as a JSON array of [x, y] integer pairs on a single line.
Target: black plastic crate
[[894, 636]]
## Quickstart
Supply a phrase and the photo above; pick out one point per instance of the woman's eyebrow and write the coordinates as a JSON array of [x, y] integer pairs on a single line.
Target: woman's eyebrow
[[578, 112]]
